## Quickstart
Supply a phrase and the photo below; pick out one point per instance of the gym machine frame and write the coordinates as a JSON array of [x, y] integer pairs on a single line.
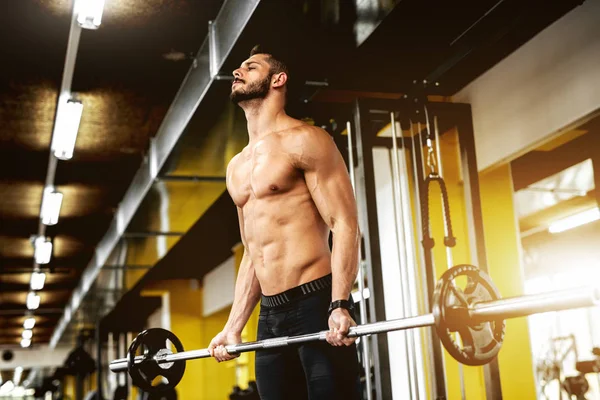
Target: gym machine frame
[[450, 115]]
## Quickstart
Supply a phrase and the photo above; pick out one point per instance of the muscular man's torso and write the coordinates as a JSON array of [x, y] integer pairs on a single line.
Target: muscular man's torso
[[286, 238]]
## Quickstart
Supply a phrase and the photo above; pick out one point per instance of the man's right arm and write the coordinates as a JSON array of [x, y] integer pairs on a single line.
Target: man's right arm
[[246, 295]]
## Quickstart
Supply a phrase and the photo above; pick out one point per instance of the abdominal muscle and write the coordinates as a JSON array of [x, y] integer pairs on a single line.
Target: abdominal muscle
[[286, 239]]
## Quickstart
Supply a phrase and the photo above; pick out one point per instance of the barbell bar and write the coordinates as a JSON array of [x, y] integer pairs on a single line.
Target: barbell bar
[[506, 308]]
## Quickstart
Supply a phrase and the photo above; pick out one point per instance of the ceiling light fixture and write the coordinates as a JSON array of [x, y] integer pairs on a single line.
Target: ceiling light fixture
[[65, 129], [7, 388], [29, 323], [37, 280], [33, 301], [575, 220], [89, 13], [17, 375], [51, 202], [25, 343], [42, 249]]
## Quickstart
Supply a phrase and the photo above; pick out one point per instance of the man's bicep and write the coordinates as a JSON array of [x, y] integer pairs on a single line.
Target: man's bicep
[[329, 183]]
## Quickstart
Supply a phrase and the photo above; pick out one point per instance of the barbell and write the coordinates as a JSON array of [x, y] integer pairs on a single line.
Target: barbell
[[466, 305]]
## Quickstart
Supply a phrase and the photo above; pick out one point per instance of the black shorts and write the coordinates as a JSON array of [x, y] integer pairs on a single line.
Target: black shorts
[[314, 370]]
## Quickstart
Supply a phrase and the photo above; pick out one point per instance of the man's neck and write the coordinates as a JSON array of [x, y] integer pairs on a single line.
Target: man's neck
[[264, 117]]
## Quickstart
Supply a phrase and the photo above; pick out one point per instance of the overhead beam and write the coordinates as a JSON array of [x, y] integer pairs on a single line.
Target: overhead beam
[[224, 32], [537, 165]]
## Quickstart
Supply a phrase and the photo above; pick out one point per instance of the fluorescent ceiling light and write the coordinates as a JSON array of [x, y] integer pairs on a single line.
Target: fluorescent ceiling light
[[29, 323], [575, 220], [37, 280], [25, 343], [89, 13], [27, 334], [33, 301], [51, 202], [7, 387], [65, 129], [17, 375], [42, 250]]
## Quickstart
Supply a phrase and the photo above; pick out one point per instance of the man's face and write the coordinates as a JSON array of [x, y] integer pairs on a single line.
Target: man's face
[[252, 80]]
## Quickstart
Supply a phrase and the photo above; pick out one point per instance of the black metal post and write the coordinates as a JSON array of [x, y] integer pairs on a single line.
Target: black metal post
[[365, 183], [99, 392], [79, 378]]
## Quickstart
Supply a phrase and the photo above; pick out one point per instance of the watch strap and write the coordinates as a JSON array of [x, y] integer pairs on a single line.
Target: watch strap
[[340, 304]]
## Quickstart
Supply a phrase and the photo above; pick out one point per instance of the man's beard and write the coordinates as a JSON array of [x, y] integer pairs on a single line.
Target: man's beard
[[256, 90]]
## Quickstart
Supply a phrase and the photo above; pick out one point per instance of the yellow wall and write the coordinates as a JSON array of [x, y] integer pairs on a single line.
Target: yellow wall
[[69, 386], [503, 255], [205, 378]]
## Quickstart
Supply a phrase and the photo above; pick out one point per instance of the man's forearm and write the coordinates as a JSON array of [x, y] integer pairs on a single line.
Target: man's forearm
[[344, 261], [247, 294]]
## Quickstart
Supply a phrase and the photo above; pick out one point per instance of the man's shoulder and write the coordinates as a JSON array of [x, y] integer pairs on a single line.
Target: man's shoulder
[[232, 163], [305, 133], [307, 144]]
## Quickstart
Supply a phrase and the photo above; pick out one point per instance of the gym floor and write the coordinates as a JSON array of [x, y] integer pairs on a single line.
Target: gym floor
[[126, 224]]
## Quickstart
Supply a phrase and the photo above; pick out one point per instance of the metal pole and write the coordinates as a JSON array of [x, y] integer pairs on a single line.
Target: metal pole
[[437, 360], [449, 258], [365, 184], [403, 260], [486, 311], [424, 306], [361, 282], [78, 386], [99, 390]]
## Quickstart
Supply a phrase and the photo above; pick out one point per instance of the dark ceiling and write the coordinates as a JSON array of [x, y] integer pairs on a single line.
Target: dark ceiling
[[126, 83], [126, 75]]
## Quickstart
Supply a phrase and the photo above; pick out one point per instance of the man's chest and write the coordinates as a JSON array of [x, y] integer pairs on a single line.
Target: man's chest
[[261, 171]]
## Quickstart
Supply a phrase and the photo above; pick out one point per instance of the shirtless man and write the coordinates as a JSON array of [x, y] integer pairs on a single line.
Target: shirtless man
[[291, 188]]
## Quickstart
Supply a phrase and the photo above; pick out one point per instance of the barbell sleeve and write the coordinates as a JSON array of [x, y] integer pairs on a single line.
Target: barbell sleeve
[[513, 307], [521, 306]]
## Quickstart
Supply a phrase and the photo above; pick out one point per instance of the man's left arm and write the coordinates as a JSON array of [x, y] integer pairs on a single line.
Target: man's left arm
[[327, 180]]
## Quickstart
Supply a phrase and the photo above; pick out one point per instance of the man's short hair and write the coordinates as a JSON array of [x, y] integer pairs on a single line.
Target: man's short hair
[[276, 63]]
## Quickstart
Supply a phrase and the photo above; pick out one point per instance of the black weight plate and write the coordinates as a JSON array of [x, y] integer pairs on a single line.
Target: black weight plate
[[479, 342], [150, 343]]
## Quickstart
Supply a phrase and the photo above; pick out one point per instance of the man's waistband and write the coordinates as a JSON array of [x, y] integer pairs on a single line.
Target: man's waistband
[[296, 292]]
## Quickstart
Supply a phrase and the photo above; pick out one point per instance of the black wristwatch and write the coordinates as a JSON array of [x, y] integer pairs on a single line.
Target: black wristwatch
[[340, 304]]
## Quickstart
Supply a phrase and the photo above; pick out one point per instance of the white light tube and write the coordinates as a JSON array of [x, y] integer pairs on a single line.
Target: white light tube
[[89, 13], [25, 343], [65, 129], [37, 280], [42, 250], [29, 323], [33, 301], [17, 375], [27, 334], [7, 388], [51, 202], [575, 220]]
